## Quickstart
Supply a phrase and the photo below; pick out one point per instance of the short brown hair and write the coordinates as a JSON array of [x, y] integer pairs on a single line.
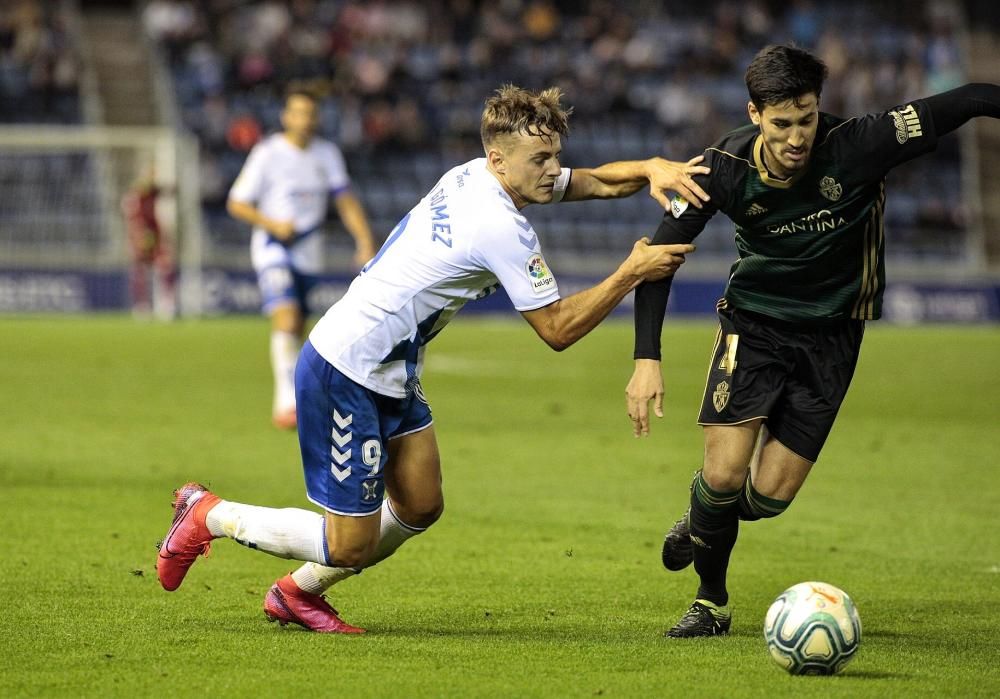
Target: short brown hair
[[516, 110]]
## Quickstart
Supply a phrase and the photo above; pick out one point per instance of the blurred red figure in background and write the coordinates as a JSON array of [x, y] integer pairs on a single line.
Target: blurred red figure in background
[[152, 274]]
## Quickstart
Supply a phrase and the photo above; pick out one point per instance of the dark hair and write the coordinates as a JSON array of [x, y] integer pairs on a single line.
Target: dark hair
[[513, 109], [781, 73]]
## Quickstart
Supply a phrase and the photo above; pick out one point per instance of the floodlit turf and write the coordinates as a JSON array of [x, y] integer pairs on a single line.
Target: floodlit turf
[[543, 577]]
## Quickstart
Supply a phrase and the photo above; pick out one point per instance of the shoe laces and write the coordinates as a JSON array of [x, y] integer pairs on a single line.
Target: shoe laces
[[326, 603], [698, 611], [694, 614]]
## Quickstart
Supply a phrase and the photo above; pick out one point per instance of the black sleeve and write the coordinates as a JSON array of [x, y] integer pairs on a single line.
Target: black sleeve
[[678, 226], [876, 143], [953, 108]]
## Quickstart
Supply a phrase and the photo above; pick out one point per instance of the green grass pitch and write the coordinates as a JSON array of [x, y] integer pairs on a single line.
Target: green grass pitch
[[542, 579]]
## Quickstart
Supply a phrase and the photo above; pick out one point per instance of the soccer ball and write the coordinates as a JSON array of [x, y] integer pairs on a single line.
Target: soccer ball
[[813, 628]]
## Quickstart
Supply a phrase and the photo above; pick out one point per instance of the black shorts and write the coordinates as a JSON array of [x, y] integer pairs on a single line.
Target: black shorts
[[793, 376]]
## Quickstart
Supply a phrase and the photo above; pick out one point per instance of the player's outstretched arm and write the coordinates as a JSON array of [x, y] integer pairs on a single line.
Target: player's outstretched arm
[[679, 226], [953, 108], [562, 323], [352, 213], [248, 213], [626, 177]]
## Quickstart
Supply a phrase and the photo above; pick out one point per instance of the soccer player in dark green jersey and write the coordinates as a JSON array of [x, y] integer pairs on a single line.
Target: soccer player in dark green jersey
[[806, 191]]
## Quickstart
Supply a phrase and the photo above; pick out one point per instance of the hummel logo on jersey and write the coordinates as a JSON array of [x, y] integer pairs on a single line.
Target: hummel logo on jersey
[[756, 210], [907, 123]]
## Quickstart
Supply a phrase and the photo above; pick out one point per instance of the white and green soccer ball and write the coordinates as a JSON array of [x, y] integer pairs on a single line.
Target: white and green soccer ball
[[813, 628]]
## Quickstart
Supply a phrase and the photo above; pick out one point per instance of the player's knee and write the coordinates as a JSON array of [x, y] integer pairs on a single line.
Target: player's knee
[[724, 480], [422, 514], [753, 505]]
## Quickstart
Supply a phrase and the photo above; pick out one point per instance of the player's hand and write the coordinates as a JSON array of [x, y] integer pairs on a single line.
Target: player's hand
[[282, 230], [645, 385], [667, 175], [652, 262]]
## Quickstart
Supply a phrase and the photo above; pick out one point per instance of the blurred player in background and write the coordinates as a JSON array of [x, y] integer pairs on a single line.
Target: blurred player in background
[[369, 449], [806, 191], [283, 192], [153, 272]]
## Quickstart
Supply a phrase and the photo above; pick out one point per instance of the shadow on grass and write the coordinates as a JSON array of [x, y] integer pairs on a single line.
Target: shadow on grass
[[866, 634], [558, 634], [873, 675]]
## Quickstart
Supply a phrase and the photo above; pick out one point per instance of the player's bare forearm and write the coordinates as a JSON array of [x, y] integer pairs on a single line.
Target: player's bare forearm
[[609, 181], [564, 322], [567, 320], [243, 211], [626, 177], [352, 213], [248, 213]]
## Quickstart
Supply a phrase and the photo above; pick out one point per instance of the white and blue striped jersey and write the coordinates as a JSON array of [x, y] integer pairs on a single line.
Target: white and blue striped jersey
[[285, 183], [463, 240]]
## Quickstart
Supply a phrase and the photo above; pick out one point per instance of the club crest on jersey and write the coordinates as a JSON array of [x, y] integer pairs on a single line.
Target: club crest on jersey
[[720, 399], [539, 276], [830, 188], [678, 205], [907, 123]]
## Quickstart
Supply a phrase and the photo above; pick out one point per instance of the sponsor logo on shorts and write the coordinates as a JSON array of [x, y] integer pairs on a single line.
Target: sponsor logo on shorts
[[539, 276], [720, 399]]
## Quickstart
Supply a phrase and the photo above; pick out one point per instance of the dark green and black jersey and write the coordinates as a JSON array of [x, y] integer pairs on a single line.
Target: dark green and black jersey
[[811, 248]]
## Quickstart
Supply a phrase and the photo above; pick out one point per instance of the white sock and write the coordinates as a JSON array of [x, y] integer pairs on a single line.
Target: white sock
[[284, 353], [286, 533], [317, 579]]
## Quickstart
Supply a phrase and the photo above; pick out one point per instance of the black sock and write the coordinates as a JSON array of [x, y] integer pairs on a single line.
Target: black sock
[[754, 506], [714, 527]]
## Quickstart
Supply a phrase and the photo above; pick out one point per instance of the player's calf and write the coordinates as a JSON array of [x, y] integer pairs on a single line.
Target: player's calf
[[677, 553]]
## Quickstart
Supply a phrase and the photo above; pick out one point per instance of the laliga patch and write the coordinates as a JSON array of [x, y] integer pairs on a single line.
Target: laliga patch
[[539, 276], [678, 205]]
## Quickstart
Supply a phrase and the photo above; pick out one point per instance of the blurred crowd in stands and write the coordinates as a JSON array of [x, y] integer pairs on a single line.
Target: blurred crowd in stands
[[406, 81], [39, 64]]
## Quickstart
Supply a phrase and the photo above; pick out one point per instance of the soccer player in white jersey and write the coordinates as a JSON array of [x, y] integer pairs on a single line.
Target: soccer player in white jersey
[[283, 192], [368, 446]]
